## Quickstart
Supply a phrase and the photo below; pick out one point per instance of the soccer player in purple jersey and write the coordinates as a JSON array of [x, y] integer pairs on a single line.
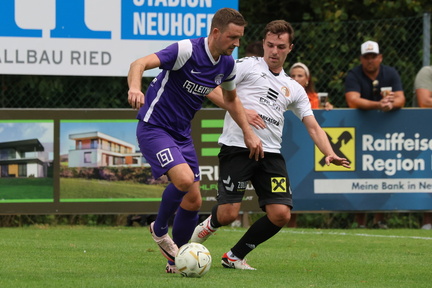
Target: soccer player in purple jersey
[[191, 69]]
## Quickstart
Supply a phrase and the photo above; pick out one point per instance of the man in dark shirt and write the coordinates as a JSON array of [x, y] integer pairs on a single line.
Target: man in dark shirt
[[363, 90], [363, 83]]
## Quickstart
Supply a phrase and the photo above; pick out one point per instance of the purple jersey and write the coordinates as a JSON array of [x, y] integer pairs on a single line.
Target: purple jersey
[[177, 93]]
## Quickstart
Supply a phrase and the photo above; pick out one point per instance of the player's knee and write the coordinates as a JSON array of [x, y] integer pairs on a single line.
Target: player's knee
[[184, 184], [192, 203], [192, 200], [280, 219]]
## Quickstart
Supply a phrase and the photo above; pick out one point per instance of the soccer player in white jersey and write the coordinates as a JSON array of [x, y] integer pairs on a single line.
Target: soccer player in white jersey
[[267, 92], [190, 70]]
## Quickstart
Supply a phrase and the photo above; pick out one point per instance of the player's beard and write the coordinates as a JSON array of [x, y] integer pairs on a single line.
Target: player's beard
[[229, 51]]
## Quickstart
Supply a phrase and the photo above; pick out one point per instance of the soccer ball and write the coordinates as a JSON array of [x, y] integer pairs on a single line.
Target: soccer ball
[[193, 260]]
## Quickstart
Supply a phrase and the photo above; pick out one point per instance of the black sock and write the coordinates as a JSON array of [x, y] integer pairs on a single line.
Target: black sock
[[262, 230], [214, 221]]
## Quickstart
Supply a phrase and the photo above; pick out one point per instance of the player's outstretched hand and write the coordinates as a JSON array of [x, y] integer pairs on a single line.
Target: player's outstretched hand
[[337, 161]]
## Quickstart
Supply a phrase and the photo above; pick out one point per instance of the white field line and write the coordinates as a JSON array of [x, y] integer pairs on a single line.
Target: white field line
[[292, 231]]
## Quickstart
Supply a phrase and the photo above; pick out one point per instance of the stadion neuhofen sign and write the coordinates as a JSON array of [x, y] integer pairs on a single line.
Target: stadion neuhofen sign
[[95, 37]]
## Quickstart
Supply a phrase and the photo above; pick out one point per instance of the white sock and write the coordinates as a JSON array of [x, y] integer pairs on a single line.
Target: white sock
[[210, 226], [232, 256]]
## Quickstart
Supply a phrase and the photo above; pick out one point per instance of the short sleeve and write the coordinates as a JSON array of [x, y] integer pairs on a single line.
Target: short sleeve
[[423, 79], [230, 84], [351, 83], [174, 56]]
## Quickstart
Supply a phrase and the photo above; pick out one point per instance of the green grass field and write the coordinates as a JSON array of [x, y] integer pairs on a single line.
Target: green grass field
[[26, 188], [81, 256], [33, 189], [78, 188]]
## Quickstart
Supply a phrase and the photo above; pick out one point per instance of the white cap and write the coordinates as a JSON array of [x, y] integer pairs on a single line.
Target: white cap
[[369, 47]]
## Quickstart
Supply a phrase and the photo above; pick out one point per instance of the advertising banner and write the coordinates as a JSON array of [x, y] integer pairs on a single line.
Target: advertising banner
[[95, 37], [390, 154], [88, 161]]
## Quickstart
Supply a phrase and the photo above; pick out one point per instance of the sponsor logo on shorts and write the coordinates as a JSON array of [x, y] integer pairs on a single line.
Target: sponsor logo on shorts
[[279, 184], [241, 186], [342, 140], [165, 157], [229, 185]]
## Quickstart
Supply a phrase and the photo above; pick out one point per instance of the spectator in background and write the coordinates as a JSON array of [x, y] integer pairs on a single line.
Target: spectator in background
[[255, 49], [423, 87], [363, 83], [423, 97], [363, 91], [300, 72]]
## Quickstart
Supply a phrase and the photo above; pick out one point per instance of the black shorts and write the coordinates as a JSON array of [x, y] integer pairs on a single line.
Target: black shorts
[[268, 176]]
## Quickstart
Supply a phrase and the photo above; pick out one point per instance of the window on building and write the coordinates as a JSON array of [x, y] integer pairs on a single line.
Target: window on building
[[94, 143], [22, 170], [3, 154], [6, 154], [87, 157], [4, 171]]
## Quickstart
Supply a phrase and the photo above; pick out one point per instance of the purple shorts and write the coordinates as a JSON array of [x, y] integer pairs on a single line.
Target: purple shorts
[[163, 151]]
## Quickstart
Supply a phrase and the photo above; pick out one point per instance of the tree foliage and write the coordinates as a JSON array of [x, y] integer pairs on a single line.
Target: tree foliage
[[263, 11]]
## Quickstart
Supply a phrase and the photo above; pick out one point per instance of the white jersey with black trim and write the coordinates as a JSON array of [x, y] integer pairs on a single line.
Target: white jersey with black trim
[[270, 96]]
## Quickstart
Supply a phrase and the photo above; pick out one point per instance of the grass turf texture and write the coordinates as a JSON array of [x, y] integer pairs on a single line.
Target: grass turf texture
[[77, 188], [26, 188], [81, 256]]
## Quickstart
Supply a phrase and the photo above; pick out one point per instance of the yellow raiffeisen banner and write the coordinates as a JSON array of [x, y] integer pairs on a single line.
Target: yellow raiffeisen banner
[[95, 37]]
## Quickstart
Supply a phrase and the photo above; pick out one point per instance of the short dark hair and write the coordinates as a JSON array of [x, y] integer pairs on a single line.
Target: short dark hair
[[255, 49], [224, 16], [279, 27]]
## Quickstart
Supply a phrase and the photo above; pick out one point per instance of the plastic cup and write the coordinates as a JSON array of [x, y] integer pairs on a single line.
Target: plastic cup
[[323, 97], [385, 91]]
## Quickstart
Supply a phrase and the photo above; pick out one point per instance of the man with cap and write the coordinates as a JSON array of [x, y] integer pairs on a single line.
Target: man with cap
[[363, 83], [363, 86]]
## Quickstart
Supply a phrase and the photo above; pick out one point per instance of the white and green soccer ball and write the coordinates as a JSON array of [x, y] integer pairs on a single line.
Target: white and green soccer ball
[[193, 260]]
